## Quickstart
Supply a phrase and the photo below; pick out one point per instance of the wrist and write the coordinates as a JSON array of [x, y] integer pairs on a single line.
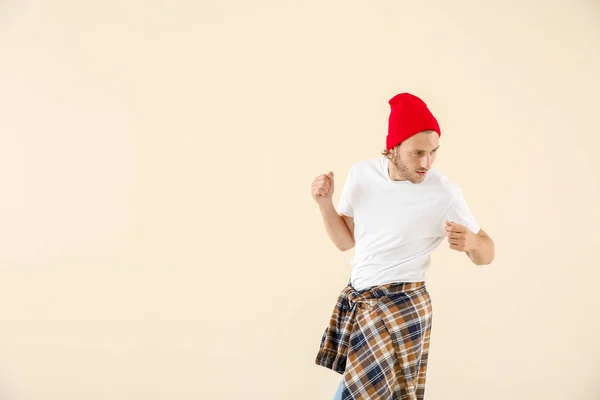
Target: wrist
[[473, 243], [326, 205]]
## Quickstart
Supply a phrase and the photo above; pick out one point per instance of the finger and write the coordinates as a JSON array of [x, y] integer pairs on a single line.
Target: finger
[[453, 227], [324, 179], [320, 183], [459, 241], [452, 235], [458, 228], [459, 244]]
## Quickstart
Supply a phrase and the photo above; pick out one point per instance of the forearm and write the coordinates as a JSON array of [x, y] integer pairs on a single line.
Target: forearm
[[336, 228], [482, 252]]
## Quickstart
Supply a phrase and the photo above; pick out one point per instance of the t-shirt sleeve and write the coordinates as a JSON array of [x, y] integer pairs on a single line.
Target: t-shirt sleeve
[[459, 212], [345, 203]]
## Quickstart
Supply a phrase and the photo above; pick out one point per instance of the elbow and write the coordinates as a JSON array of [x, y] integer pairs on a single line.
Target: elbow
[[486, 261], [345, 247], [479, 259], [485, 253]]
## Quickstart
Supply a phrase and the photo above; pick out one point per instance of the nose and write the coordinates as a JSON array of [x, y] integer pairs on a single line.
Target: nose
[[426, 162]]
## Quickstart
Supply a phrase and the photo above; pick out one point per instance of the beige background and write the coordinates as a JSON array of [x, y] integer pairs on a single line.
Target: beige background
[[158, 239]]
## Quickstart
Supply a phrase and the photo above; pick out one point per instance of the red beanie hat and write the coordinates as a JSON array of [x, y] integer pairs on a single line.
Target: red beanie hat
[[409, 115]]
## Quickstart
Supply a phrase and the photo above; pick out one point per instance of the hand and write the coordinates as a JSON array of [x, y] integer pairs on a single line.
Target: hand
[[459, 237], [322, 188]]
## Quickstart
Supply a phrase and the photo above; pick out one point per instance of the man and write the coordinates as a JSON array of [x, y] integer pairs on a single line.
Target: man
[[394, 210]]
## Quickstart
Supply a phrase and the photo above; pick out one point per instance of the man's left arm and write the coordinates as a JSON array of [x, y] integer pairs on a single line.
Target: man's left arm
[[479, 247]]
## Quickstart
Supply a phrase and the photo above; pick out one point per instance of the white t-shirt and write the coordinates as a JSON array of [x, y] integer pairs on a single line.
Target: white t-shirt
[[397, 224]]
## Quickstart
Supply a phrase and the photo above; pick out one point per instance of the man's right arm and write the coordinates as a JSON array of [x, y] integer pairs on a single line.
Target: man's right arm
[[340, 228]]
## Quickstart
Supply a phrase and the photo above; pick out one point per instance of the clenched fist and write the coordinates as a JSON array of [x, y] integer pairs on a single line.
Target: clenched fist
[[322, 188], [459, 237]]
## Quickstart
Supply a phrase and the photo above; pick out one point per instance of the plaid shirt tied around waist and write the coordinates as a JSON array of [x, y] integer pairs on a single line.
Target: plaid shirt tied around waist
[[378, 339]]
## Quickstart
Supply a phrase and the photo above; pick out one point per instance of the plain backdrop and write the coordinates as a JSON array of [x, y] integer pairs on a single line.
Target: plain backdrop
[[158, 239]]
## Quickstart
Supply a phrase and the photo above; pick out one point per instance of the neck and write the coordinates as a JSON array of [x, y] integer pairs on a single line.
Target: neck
[[393, 172]]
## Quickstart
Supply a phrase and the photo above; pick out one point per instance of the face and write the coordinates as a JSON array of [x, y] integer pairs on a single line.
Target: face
[[416, 154]]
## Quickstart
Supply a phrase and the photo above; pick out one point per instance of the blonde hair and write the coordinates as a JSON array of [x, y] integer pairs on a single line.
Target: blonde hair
[[387, 154]]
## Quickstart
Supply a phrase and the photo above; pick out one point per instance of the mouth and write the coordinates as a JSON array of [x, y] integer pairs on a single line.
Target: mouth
[[421, 173]]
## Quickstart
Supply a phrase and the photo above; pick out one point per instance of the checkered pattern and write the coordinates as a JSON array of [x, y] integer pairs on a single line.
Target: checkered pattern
[[378, 339]]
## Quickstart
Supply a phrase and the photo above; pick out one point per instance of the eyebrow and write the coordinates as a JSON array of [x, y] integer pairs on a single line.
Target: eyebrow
[[423, 151]]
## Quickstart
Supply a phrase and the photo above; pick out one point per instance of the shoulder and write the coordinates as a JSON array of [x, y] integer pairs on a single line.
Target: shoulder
[[444, 183], [368, 165], [365, 169]]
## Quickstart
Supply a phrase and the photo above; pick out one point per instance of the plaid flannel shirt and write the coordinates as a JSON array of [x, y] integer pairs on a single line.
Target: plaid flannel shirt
[[378, 339]]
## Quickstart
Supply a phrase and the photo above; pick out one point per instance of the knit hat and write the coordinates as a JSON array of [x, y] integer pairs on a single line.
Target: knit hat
[[409, 115]]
